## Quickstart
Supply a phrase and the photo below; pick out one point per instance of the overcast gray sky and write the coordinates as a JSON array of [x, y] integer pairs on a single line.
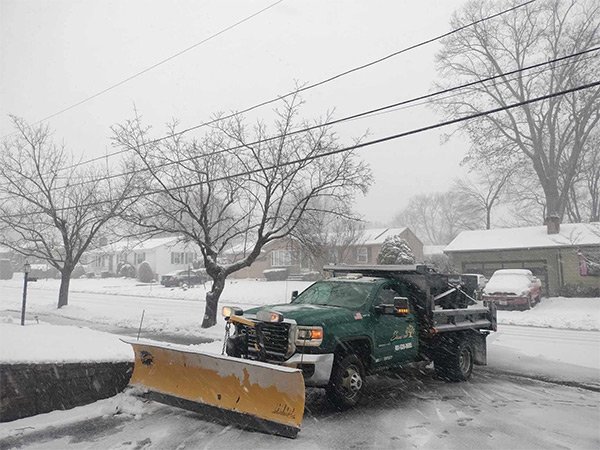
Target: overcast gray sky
[[56, 53]]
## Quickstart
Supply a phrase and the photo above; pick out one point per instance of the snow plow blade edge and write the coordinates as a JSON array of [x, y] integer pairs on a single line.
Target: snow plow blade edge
[[248, 394]]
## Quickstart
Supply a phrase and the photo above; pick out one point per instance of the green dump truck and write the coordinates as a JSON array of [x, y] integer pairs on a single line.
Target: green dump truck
[[365, 319]]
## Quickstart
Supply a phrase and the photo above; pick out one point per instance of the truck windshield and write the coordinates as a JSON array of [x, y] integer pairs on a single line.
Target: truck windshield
[[331, 293]]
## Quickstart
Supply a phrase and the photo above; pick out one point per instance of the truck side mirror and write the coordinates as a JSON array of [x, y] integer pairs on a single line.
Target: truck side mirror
[[294, 295], [401, 307]]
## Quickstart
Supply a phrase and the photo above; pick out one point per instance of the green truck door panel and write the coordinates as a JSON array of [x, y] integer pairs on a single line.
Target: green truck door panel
[[395, 338]]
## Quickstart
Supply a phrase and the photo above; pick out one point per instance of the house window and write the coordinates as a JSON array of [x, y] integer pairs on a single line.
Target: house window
[[140, 258], [362, 255], [281, 258], [177, 258], [190, 257]]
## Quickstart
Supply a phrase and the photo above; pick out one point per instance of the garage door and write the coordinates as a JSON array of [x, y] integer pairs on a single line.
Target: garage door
[[487, 268]]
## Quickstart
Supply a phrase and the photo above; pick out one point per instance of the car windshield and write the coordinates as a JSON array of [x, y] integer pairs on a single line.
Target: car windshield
[[342, 294]]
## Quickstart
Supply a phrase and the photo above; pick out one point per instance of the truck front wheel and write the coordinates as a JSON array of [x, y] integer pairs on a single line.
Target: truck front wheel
[[454, 362], [347, 382]]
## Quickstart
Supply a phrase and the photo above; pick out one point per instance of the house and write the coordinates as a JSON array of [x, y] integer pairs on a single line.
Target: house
[[288, 253], [367, 247], [558, 254], [164, 254]]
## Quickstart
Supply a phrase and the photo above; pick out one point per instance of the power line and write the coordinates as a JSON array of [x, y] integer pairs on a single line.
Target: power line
[[319, 83], [154, 66], [348, 149], [371, 112]]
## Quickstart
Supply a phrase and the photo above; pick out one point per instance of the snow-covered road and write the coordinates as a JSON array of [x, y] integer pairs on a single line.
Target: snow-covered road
[[411, 410]]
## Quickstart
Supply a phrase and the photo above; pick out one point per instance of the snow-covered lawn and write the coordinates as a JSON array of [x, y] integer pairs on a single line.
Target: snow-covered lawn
[[558, 312], [126, 299], [45, 343], [120, 302]]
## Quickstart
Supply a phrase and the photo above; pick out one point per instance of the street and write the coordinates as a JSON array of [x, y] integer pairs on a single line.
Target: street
[[409, 410]]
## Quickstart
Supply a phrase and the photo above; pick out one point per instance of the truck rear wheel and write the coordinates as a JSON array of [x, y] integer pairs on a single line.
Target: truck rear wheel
[[454, 362], [347, 382]]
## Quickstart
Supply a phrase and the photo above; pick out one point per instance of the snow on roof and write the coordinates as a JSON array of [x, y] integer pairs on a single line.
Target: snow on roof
[[570, 235], [148, 244], [429, 250], [375, 236], [157, 242]]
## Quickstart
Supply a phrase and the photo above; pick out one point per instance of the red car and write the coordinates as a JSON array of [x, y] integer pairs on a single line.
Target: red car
[[513, 289]]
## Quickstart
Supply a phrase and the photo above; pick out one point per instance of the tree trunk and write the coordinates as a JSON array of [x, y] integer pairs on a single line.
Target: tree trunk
[[63, 292], [212, 301]]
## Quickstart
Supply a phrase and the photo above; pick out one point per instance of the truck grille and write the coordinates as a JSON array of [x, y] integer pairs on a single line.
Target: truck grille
[[276, 338]]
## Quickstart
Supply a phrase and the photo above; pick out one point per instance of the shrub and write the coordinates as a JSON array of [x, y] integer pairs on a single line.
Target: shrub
[[276, 274], [577, 290], [145, 273], [127, 271], [107, 274]]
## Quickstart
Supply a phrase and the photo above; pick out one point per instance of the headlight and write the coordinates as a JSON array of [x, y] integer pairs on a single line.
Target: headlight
[[309, 336]]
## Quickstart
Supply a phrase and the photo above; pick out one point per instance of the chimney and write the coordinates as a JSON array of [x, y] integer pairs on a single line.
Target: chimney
[[553, 224]]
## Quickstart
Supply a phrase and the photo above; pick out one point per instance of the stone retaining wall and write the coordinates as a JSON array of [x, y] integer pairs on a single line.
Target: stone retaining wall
[[30, 389]]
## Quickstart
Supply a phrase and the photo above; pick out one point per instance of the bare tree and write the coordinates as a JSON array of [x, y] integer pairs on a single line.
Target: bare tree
[[239, 185], [438, 218], [486, 192], [552, 134], [584, 196], [327, 232], [49, 214], [525, 202]]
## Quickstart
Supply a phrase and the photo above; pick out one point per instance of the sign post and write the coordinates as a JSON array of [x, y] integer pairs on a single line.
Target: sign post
[[26, 269]]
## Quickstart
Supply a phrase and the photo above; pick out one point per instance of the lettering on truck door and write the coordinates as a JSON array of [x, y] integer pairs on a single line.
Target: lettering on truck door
[[395, 337]]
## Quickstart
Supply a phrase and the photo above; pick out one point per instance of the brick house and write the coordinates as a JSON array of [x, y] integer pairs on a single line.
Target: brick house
[[289, 254]]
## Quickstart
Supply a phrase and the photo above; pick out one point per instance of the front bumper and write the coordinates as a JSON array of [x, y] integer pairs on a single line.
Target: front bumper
[[501, 302], [316, 368]]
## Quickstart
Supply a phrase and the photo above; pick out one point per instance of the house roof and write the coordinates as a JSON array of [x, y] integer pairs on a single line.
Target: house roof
[[430, 250], [374, 236], [570, 235], [148, 244]]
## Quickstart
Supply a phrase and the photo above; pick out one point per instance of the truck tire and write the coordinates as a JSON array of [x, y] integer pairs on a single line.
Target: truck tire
[[347, 382], [454, 362]]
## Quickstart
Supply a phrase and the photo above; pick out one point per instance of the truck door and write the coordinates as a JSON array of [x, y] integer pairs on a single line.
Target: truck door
[[395, 337]]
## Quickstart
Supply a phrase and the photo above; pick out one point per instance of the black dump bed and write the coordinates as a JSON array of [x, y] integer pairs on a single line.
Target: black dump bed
[[441, 302]]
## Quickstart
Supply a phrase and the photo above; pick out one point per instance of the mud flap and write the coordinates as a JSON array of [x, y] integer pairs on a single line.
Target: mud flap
[[232, 391]]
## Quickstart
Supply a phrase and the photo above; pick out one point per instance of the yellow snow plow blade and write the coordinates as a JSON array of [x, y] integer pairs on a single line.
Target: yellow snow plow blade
[[250, 394]]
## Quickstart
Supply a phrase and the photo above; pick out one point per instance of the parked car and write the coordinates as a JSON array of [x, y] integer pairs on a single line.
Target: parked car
[[513, 288], [181, 277]]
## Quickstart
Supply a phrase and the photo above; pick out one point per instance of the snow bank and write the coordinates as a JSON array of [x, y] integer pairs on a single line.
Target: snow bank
[[44, 343], [124, 404], [557, 312]]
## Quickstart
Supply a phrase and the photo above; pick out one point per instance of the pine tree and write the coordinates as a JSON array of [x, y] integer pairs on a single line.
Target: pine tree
[[395, 250]]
